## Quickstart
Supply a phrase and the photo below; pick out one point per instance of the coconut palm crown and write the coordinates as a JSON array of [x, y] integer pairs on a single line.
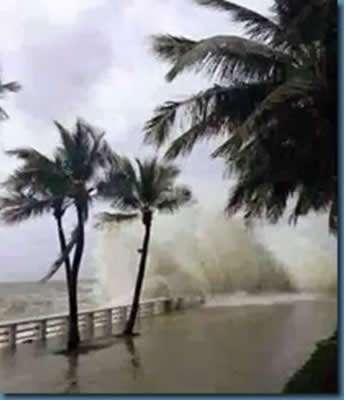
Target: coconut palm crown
[[273, 105]]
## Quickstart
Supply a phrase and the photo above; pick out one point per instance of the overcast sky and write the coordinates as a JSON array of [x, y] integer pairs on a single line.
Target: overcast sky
[[91, 58]]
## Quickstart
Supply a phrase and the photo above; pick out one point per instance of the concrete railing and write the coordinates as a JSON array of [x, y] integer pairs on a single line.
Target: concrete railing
[[92, 323]]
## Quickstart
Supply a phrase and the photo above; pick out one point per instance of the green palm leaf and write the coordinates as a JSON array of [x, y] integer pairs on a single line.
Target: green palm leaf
[[256, 25], [17, 207], [62, 258], [147, 185], [225, 56]]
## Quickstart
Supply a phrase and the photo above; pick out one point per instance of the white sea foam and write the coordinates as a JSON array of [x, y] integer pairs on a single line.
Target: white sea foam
[[200, 251]]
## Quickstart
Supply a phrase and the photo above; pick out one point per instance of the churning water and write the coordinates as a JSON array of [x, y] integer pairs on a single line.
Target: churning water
[[20, 300], [199, 251]]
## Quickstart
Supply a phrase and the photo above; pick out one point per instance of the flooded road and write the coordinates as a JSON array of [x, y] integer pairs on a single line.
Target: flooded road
[[219, 348]]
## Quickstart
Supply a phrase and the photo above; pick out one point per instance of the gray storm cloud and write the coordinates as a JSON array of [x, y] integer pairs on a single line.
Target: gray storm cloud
[[91, 58]]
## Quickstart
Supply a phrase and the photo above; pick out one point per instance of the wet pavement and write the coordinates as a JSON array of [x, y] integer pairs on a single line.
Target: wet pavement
[[215, 349]]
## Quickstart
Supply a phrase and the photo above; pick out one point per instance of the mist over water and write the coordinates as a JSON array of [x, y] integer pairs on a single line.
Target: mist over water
[[199, 251]]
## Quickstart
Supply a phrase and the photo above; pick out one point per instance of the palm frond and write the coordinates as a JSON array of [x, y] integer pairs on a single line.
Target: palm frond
[[256, 25], [12, 86], [84, 151], [170, 48], [296, 90], [38, 172], [17, 207], [157, 128], [165, 173], [148, 187], [120, 185], [258, 199], [184, 144], [224, 56], [30, 155], [66, 138], [62, 258], [4, 88], [303, 22], [295, 32], [174, 199], [3, 114], [209, 112], [146, 182]]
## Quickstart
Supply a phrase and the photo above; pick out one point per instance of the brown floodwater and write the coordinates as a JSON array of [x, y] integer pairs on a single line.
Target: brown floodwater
[[213, 349]]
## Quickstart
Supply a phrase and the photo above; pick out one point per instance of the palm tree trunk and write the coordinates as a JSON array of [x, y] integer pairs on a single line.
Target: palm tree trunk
[[62, 241], [70, 291], [73, 334], [128, 331]]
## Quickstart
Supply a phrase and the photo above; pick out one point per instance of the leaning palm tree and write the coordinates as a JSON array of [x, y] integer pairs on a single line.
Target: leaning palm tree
[[82, 154], [38, 186], [43, 185], [273, 105], [140, 192]]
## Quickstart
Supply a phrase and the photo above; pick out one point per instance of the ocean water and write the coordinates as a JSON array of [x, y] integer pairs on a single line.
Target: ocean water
[[27, 299], [197, 252]]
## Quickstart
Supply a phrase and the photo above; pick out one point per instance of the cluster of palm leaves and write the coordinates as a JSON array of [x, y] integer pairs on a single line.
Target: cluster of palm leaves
[[273, 105], [82, 169]]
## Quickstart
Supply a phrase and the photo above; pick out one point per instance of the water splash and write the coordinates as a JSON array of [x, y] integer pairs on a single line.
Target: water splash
[[198, 251]]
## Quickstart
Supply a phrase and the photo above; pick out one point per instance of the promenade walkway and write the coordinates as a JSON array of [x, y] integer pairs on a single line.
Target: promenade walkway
[[215, 349]]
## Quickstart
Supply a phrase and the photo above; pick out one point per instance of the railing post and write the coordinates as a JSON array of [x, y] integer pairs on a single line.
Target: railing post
[[90, 325], [179, 304], [155, 308], [139, 316], [12, 337], [109, 324], [66, 326], [45, 327], [123, 315], [42, 327], [152, 308], [167, 306]]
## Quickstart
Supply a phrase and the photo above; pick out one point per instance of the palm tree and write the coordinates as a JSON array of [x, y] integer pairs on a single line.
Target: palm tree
[[38, 186], [43, 185], [4, 89], [274, 105], [140, 192]]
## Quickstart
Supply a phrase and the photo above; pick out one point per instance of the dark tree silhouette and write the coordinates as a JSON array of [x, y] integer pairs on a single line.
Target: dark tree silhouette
[[274, 105], [44, 185], [140, 192]]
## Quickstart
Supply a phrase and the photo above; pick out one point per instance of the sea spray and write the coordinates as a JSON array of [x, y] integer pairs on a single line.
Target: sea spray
[[199, 251]]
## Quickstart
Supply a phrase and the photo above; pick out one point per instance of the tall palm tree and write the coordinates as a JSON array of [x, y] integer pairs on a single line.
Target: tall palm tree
[[12, 86], [38, 186], [43, 185], [140, 191], [274, 105]]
